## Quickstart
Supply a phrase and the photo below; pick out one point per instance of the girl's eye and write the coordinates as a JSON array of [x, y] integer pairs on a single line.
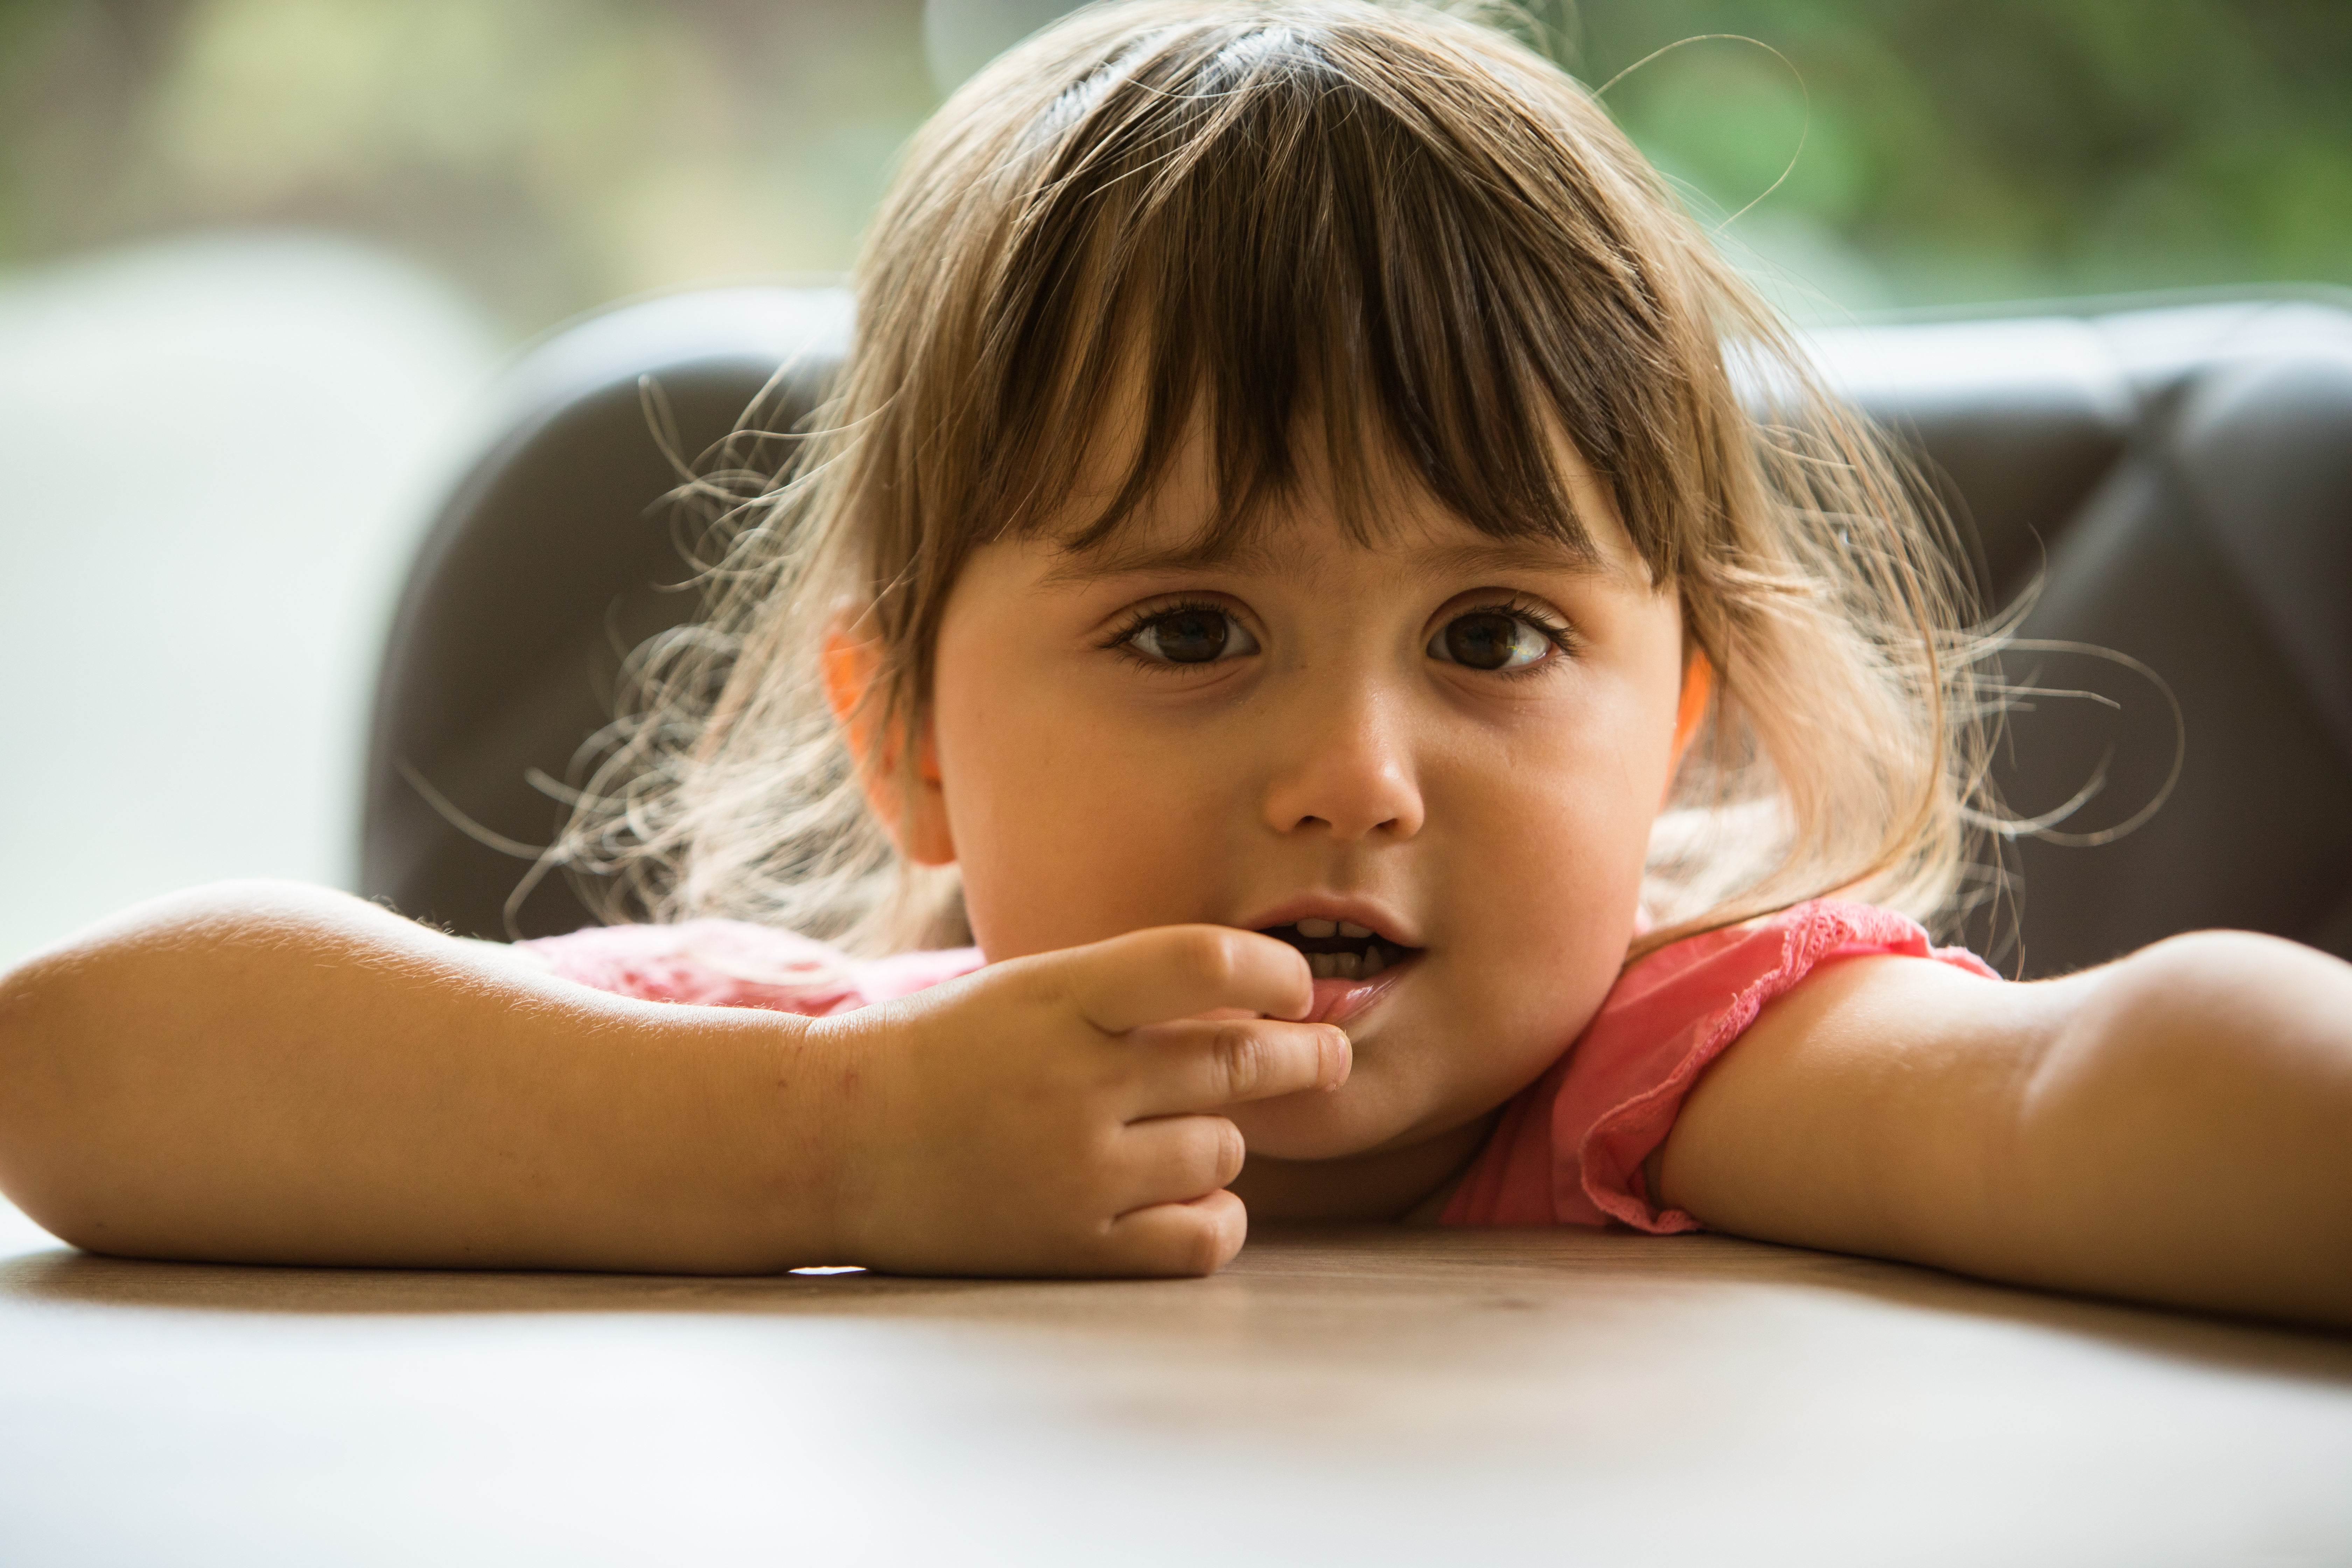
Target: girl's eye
[[1491, 639], [1194, 634]]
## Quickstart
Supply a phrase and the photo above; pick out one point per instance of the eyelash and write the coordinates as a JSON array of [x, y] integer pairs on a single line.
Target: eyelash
[[1560, 637]]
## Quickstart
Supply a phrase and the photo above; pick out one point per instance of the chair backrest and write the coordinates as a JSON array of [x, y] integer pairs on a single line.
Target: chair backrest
[[2174, 482]]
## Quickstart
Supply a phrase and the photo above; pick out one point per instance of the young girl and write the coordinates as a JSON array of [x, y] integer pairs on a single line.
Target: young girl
[[1317, 568]]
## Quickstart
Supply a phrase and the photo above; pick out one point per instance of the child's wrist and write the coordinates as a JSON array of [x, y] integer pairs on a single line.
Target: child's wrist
[[822, 1085]]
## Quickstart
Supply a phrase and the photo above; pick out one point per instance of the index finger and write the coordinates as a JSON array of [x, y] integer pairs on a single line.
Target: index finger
[[1178, 972]]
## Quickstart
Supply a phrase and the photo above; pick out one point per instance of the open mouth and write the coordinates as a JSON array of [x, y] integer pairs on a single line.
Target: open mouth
[[1341, 950]]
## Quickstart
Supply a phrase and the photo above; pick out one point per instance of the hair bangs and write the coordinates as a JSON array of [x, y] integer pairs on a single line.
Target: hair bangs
[[1266, 243]]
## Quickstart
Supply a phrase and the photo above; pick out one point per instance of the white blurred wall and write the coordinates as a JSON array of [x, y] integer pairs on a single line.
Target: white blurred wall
[[215, 457]]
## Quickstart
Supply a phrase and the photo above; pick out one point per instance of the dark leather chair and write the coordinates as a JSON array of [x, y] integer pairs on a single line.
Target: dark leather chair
[[2175, 481]]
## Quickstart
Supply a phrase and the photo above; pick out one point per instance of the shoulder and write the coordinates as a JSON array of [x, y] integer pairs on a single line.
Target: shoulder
[[1850, 1078], [1694, 996], [1573, 1147], [1786, 946]]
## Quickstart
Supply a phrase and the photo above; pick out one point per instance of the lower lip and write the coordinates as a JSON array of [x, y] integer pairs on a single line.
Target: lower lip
[[1338, 1000]]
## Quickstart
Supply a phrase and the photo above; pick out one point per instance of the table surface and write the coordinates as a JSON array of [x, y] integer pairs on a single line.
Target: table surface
[[1365, 1395]]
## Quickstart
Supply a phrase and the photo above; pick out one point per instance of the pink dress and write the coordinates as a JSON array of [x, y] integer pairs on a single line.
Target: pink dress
[[733, 964], [1567, 1149]]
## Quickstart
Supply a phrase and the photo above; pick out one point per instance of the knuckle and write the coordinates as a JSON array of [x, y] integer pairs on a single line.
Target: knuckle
[[1037, 979], [1241, 1059], [1227, 1151], [1209, 955]]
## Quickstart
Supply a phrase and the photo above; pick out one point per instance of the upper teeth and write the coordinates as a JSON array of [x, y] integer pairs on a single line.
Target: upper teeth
[[1327, 928]]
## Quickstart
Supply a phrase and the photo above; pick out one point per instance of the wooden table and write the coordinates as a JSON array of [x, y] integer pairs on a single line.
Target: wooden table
[[1356, 1396]]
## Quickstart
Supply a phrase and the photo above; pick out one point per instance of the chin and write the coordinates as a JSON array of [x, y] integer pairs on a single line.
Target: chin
[[1323, 1125]]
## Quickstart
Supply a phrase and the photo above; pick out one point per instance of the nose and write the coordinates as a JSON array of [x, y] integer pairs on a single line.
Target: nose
[[1347, 770]]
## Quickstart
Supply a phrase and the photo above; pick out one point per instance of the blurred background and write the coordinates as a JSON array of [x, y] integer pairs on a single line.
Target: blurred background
[[258, 258]]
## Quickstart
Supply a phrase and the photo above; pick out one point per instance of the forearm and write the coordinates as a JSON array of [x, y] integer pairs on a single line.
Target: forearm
[[265, 1073], [2187, 1135]]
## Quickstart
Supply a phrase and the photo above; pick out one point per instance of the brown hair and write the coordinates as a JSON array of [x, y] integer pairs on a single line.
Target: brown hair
[[1391, 231]]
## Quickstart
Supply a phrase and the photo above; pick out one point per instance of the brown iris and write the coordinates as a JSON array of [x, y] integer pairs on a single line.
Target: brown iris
[[1189, 637], [1484, 640]]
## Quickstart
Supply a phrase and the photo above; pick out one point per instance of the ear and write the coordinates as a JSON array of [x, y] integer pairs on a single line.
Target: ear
[[1698, 689], [914, 810]]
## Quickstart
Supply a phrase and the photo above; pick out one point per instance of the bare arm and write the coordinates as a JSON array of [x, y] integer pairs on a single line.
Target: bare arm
[[2175, 1126], [265, 1072], [270, 1072]]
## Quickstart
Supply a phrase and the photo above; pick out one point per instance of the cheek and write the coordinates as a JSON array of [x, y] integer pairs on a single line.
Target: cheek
[[1553, 861], [1071, 824], [1562, 807]]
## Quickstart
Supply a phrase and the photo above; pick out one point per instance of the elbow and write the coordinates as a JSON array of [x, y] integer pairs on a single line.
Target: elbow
[[2188, 996], [2228, 992], [88, 1027], [2192, 1120], [52, 1093]]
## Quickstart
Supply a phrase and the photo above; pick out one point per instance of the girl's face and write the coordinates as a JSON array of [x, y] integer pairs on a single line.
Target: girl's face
[[1456, 743]]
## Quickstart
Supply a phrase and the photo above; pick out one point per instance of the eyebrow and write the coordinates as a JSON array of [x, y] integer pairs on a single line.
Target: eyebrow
[[1101, 564]]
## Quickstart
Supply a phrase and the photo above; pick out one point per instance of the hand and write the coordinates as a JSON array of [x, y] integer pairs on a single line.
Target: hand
[[1056, 1114]]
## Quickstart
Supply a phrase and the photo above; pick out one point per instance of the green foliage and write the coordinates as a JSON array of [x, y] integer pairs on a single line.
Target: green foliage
[[1980, 148], [552, 153]]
